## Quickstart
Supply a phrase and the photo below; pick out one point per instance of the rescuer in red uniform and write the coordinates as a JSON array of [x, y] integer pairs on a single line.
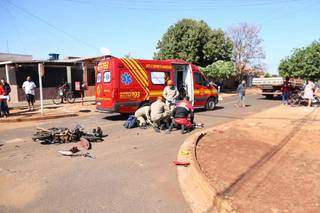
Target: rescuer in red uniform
[[183, 115]]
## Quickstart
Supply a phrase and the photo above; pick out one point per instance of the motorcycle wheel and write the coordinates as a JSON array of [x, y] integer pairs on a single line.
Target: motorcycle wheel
[[295, 101]]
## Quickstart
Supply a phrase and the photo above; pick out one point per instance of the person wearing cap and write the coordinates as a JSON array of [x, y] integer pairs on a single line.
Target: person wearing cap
[[159, 113], [170, 93], [143, 116]]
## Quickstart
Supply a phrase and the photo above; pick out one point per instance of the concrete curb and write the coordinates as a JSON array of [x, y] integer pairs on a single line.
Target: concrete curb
[[44, 117], [195, 186]]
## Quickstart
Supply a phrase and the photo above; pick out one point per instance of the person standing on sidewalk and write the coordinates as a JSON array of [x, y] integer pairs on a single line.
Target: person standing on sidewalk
[[29, 88], [308, 92], [241, 90], [3, 110], [83, 87], [286, 90], [7, 90]]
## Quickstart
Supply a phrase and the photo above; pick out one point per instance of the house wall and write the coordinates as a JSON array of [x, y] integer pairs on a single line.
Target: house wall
[[53, 77], [48, 93]]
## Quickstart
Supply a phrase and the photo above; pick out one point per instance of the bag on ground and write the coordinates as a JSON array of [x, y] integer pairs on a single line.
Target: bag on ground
[[131, 122]]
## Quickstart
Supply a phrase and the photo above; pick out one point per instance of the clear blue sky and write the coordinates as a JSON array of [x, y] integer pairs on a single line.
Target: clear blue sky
[[82, 27]]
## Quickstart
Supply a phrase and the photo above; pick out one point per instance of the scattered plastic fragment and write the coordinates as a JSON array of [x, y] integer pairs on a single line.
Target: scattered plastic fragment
[[184, 152], [180, 163]]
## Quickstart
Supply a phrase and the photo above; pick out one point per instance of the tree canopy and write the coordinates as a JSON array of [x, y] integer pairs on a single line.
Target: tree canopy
[[219, 70], [195, 42], [247, 46], [303, 63]]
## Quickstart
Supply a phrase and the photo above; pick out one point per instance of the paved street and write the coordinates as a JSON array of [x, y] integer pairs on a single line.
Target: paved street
[[132, 172]]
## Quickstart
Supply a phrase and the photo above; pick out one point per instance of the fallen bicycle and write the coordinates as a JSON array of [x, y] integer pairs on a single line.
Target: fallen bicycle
[[65, 135]]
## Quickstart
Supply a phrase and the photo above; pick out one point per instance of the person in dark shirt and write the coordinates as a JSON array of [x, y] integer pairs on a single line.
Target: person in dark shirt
[[286, 90]]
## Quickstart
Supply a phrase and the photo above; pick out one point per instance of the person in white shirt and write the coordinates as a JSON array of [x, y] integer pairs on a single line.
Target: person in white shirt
[[29, 88]]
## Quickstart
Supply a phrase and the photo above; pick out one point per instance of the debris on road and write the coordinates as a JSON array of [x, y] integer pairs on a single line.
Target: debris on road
[[85, 143], [180, 163], [184, 152], [199, 125], [74, 151], [65, 135]]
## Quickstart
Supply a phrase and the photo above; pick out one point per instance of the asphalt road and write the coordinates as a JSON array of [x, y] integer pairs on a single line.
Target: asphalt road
[[132, 170]]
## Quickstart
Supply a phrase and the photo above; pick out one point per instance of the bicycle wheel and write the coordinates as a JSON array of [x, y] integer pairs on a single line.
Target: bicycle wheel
[[56, 99], [71, 98]]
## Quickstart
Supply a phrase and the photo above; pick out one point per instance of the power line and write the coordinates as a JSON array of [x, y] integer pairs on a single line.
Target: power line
[[52, 26], [174, 5], [15, 26], [276, 13]]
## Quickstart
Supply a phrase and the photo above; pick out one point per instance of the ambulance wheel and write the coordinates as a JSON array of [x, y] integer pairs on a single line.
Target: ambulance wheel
[[146, 103], [211, 104]]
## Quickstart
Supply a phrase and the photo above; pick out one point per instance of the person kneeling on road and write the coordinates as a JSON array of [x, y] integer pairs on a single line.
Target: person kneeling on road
[[159, 113], [181, 114], [143, 116]]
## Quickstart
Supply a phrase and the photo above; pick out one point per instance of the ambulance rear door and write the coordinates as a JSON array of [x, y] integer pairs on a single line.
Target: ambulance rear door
[[106, 85], [183, 78]]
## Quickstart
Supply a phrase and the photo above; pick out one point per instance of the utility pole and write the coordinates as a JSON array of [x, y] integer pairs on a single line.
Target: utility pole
[[7, 46], [40, 74]]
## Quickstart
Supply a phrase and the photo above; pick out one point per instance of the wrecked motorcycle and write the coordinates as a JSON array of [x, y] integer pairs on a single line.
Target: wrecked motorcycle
[[65, 135]]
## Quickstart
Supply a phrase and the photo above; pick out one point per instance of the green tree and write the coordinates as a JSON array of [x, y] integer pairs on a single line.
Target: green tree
[[219, 70], [267, 75], [195, 42], [303, 63]]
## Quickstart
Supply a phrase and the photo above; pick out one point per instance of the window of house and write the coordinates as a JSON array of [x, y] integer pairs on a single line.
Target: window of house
[[107, 77], [159, 78]]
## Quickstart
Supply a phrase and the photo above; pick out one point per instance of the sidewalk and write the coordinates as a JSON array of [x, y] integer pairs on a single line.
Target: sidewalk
[[19, 111], [24, 105], [268, 162]]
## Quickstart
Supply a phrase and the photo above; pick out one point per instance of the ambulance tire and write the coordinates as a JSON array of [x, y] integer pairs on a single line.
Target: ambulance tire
[[211, 104], [144, 104]]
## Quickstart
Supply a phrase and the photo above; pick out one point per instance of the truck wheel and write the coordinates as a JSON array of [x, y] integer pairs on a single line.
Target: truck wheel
[[211, 104], [269, 96]]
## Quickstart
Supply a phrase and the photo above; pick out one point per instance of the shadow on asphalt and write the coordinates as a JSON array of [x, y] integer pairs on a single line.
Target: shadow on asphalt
[[270, 99], [117, 117], [203, 109]]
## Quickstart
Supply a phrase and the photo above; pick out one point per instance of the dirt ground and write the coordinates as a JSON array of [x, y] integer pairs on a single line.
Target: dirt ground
[[23, 114], [267, 162]]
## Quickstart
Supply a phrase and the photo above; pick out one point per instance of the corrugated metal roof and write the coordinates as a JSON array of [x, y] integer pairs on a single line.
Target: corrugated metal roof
[[60, 61], [12, 56]]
